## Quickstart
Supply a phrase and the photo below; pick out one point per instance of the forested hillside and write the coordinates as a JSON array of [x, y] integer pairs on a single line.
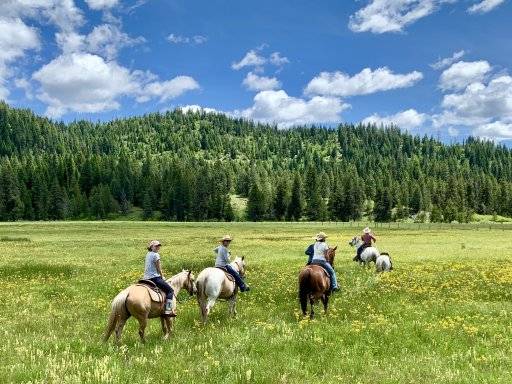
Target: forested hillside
[[187, 166]]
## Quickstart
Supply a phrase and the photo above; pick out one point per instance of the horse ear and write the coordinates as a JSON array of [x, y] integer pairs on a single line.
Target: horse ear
[[189, 272], [243, 257], [335, 248]]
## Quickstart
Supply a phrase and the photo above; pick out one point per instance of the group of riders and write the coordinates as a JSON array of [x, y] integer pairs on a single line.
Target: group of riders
[[316, 255]]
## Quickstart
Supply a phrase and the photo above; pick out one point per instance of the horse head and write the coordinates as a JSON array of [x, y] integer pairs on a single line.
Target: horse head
[[331, 253], [190, 283], [240, 264], [354, 241]]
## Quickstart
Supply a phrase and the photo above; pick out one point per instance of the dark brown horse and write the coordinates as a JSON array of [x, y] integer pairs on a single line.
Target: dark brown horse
[[314, 284]]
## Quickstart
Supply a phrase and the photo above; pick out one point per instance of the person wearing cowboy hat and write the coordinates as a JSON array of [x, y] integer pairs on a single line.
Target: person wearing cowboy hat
[[222, 261], [319, 251], [153, 272], [367, 239]]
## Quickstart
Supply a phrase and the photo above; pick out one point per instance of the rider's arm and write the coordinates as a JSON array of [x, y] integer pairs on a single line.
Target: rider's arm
[[224, 254], [159, 268], [374, 239]]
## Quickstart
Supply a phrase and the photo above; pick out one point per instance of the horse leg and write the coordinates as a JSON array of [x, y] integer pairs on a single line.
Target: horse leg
[[120, 326], [325, 302], [311, 302], [143, 322], [232, 306], [165, 328]]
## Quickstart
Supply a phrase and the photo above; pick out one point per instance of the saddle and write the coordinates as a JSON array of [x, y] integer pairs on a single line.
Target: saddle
[[323, 269], [156, 294], [228, 275]]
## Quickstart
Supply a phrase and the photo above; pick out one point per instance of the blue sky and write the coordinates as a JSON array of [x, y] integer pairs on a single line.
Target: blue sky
[[440, 67]]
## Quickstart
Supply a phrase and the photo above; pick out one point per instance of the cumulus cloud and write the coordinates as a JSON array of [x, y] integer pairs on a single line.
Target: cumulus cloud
[[484, 6], [463, 73], [177, 39], [277, 107], [105, 40], [478, 103], [15, 39], [381, 16], [278, 60], [447, 61], [408, 119], [101, 4], [251, 59], [497, 130], [83, 82], [260, 83], [363, 83]]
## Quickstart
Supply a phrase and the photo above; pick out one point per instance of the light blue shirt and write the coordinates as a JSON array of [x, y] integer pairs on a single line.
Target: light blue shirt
[[320, 248], [222, 256], [150, 270]]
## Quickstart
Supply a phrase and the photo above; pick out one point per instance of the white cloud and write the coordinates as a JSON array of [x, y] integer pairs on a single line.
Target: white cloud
[[408, 119], [15, 38], [101, 4], [24, 84], [260, 83], [484, 6], [251, 59], [363, 83], [381, 16], [497, 130], [197, 108], [443, 63], [177, 39], [278, 60], [463, 73], [276, 107], [82, 82], [169, 89], [478, 104]]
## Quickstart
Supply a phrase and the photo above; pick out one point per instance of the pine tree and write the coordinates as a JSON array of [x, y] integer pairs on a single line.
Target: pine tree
[[296, 206]]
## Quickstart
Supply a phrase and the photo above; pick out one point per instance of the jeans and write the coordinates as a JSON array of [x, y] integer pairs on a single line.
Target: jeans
[[328, 267], [164, 286], [360, 250], [239, 281]]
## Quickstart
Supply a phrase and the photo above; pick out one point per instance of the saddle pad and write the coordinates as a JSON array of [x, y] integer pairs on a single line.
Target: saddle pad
[[156, 296], [228, 275]]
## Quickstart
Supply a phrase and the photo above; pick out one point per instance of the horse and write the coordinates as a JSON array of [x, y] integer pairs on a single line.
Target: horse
[[314, 284], [368, 255], [136, 301], [213, 283], [383, 263]]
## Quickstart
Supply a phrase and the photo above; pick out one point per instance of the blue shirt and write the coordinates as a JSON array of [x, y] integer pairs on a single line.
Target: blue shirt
[[150, 270], [222, 256]]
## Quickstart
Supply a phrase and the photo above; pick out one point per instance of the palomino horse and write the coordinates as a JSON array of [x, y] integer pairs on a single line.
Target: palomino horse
[[213, 284], [136, 301], [314, 284], [368, 255]]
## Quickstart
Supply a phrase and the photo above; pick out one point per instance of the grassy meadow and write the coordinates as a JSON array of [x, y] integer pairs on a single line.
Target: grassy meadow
[[442, 316]]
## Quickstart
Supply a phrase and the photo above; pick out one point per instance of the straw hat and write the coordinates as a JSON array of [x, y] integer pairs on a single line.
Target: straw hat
[[153, 243], [366, 230], [226, 238], [321, 236]]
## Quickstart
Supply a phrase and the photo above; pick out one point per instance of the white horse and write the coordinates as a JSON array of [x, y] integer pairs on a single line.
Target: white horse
[[368, 255], [213, 284], [383, 263]]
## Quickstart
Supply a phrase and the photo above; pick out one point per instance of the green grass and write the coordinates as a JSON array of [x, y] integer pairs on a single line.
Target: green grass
[[443, 315]]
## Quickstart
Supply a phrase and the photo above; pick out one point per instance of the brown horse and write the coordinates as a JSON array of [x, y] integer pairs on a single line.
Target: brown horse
[[136, 301], [314, 284]]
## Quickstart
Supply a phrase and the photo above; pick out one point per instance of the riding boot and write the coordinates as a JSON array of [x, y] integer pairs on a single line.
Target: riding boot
[[168, 312]]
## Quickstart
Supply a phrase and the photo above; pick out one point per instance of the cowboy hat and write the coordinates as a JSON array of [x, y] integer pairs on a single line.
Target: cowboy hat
[[320, 236], [226, 238], [153, 243], [366, 230]]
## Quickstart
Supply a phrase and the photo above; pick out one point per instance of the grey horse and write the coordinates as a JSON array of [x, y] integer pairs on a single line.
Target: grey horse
[[368, 255]]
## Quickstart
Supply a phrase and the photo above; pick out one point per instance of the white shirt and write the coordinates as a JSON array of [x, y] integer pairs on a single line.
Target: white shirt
[[320, 248]]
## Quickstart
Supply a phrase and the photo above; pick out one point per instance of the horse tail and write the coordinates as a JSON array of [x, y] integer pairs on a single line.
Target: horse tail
[[304, 289], [118, 310]]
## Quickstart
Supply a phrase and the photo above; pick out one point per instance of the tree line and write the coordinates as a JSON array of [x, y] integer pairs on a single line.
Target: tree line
[[188, 166]]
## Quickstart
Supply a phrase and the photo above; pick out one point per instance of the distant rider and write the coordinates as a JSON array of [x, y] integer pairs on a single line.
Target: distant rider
[[367, 238], [222, 261], [320, 250], [153, 272]]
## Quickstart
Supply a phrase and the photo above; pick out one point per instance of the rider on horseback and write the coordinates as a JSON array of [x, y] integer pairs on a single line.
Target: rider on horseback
[[366, 238], [153, 272], [320, 250], [222, 261]]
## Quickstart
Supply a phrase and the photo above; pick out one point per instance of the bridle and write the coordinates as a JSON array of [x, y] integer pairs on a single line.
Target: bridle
[[240, 268]]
